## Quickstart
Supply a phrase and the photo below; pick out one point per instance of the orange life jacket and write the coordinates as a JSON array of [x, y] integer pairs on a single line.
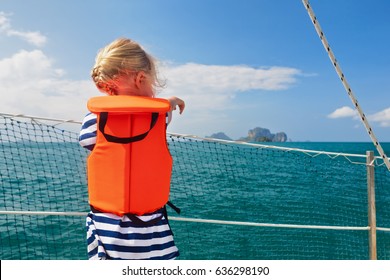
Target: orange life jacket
[[129, 169]]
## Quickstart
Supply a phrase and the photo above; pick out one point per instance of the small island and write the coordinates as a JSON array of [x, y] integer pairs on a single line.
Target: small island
[[257, 134], [219, 135]]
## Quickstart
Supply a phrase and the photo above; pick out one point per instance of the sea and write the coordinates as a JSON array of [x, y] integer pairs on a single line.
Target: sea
[[244, 202]]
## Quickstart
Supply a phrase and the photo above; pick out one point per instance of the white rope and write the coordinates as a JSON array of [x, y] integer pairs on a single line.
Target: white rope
[[42, 213], [264, 224], [206, 221], [383, 229], [311, 153], [345, 83], [39, 118]]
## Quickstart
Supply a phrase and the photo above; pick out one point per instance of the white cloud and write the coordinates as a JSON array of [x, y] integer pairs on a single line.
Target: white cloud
[[210, 90], [213, 86], [33, 37], [235, 78], [30, 85], [382, 117], [343, 112]]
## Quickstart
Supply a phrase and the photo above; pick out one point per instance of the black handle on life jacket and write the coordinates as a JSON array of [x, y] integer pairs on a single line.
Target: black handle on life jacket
[[124, 140]]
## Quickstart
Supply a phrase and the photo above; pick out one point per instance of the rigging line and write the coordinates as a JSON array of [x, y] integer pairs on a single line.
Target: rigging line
[[254, 224], [34, 118], [207, 221], [263, 146], [345, 83], [311, 153]]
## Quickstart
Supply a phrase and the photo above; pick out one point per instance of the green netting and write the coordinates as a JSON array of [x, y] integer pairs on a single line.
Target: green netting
[[43, 169]]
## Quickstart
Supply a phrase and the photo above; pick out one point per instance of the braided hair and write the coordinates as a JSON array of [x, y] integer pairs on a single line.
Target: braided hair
[[122, 57]]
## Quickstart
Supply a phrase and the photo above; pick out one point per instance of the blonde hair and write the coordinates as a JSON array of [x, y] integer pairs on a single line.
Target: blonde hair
[[122, 57]]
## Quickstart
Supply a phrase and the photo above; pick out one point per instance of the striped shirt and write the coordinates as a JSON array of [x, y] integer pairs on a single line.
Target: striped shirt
[[87, 136], [113, 237]]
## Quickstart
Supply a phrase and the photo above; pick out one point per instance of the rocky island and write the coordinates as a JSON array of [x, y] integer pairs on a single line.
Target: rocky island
[[258, 134], [219, 135]]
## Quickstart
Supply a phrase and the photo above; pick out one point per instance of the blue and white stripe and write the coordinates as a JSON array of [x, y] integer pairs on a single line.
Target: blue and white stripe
[[113, 237], [87, 136]]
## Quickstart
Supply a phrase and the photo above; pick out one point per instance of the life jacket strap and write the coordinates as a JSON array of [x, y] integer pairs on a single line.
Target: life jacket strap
[[124, 140], [177, 209], [137, 221]]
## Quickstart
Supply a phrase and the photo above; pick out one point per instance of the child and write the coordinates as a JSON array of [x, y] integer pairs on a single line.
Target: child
[[124, 68]]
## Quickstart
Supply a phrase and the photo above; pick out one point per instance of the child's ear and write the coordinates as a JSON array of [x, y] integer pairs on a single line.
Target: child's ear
[[139, 79]]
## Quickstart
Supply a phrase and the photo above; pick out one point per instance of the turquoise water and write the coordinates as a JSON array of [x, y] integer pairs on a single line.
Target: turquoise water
[[209, 181], [241, 183]]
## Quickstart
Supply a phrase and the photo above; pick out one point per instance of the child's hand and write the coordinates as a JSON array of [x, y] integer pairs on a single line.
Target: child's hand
[[175, 101]]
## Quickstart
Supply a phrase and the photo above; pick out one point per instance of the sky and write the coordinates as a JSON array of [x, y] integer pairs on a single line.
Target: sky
[[237, 64]]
